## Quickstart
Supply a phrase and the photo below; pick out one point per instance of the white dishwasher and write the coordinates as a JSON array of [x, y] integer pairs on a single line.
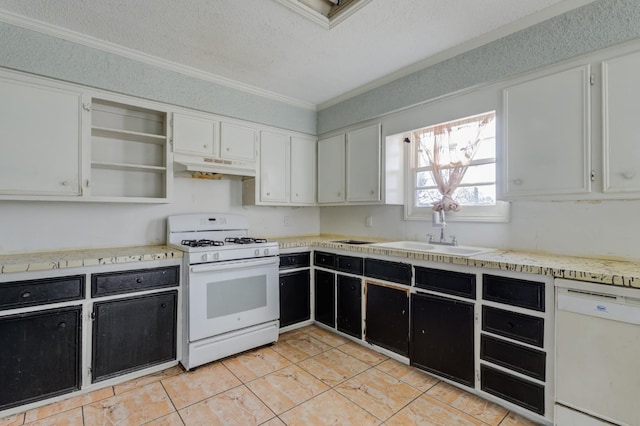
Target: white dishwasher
[[597, 354]]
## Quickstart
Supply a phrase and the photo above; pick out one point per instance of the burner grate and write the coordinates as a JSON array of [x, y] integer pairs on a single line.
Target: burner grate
[[201, 243], [244, 240]]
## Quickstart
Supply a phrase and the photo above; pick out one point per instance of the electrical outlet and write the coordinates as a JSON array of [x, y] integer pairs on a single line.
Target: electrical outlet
[[368, 221]]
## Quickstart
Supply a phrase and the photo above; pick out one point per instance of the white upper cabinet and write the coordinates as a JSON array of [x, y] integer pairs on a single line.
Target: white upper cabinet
[[194, 134], [349, 167], [237, 142], [303, 171], [41, 139], [274, 176], [331, 170], [621, 121], [363, 164], [547, 135], [286, 172]]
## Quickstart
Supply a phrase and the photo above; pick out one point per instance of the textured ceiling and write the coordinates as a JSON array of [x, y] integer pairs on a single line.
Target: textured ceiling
[[263, 44]]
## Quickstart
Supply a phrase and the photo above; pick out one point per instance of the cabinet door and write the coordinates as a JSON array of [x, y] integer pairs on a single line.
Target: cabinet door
[[194, 135], [363, 164], [133, 333], [547, 135], [350, 305], [237, 142], [387, 318], [295, 297], [41, 130], [274, 167], [303, 171], [331, 170], [621, 111], [40, 355], [442, 339], [325, 298]]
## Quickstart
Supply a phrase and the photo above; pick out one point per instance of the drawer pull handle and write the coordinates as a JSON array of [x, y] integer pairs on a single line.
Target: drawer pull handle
[[511, 324], [26, 295], [138, 280], [62, 324]]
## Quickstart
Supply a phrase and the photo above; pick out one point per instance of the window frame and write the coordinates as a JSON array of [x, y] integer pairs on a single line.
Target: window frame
[[500, 212]]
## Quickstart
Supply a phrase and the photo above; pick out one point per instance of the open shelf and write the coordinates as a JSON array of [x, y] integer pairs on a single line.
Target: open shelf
[[126, 135]]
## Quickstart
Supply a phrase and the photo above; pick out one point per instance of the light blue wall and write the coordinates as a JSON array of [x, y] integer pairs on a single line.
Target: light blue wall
[[29, 51], [595, 26]]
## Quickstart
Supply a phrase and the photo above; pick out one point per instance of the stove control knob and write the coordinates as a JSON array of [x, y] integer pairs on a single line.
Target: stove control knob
[[206, 257], [256, 252], [266, 252], [216, 256]]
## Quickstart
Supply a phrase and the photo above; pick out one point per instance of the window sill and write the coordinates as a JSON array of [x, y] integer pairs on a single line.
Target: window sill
[[500, 213]]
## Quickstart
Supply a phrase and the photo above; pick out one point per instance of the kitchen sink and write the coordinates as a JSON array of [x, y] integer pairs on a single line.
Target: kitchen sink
[[463, 251], [406, 245], [356, 242]]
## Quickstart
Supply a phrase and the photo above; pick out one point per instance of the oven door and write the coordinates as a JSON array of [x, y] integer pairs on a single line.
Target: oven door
[[232, 295]]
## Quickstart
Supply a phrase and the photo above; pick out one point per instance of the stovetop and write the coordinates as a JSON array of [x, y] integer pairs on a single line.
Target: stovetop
[[216, 237]]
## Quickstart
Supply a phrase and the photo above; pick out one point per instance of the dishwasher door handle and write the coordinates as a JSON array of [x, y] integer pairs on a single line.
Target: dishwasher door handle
[[599, 307]]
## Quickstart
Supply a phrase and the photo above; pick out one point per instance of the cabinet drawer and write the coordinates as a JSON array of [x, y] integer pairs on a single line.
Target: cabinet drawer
[[326, 260], [456, 283], [513, 389], [511, 291], [350, 264], [524, 328], [296, 260], [129, 281], [40, 292], [390, 271], [515, 357]]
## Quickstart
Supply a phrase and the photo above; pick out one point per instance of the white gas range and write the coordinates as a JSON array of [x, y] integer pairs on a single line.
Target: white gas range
[[231, 300]]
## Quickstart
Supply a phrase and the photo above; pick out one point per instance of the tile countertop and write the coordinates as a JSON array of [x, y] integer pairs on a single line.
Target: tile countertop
[[601, 271], [43, 261]]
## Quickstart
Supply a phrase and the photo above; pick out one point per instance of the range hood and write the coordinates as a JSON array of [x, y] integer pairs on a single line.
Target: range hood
[[196, 163]]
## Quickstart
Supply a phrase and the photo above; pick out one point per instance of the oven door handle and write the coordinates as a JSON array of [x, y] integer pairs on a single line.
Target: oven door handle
[[232, 265]]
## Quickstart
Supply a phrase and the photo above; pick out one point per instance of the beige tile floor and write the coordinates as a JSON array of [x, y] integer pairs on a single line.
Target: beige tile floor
[[309, 377]]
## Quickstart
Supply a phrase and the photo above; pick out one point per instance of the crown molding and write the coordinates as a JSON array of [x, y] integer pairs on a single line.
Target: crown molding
[[315, 16], [105, 46], [520, 24]]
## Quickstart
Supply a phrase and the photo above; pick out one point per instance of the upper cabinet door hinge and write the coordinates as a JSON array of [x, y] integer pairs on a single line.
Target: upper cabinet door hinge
[[592, 176], [592, 79], [86, 106]]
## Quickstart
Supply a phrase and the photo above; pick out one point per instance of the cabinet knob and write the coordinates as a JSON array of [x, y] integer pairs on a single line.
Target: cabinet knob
[[268, 193], [228, 149], [628, 175], [164, 305], [26, 295], [517, 181], [64, 183], [339, 194], [372, 192], [62, 324], [204, 146], [138, 280]]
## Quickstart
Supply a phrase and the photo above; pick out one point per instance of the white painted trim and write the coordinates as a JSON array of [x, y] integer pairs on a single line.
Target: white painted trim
[[527, 21], [317, 17], [105, 46]]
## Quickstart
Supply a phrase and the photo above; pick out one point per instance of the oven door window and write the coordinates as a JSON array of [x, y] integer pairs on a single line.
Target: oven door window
[[236, 296], [230, 299]]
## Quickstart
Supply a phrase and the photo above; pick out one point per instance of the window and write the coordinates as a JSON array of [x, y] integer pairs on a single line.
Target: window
[[463, 152]]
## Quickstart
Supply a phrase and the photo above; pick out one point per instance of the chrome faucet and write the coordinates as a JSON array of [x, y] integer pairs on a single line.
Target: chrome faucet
[[438, 221], [443, 241]]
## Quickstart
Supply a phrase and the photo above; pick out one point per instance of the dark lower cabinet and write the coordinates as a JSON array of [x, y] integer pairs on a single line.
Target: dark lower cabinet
[[442, 339], [325, 298], [133, 333], [40, 355], [294, 297], [350, 305], [387, 320], [514, 389]]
